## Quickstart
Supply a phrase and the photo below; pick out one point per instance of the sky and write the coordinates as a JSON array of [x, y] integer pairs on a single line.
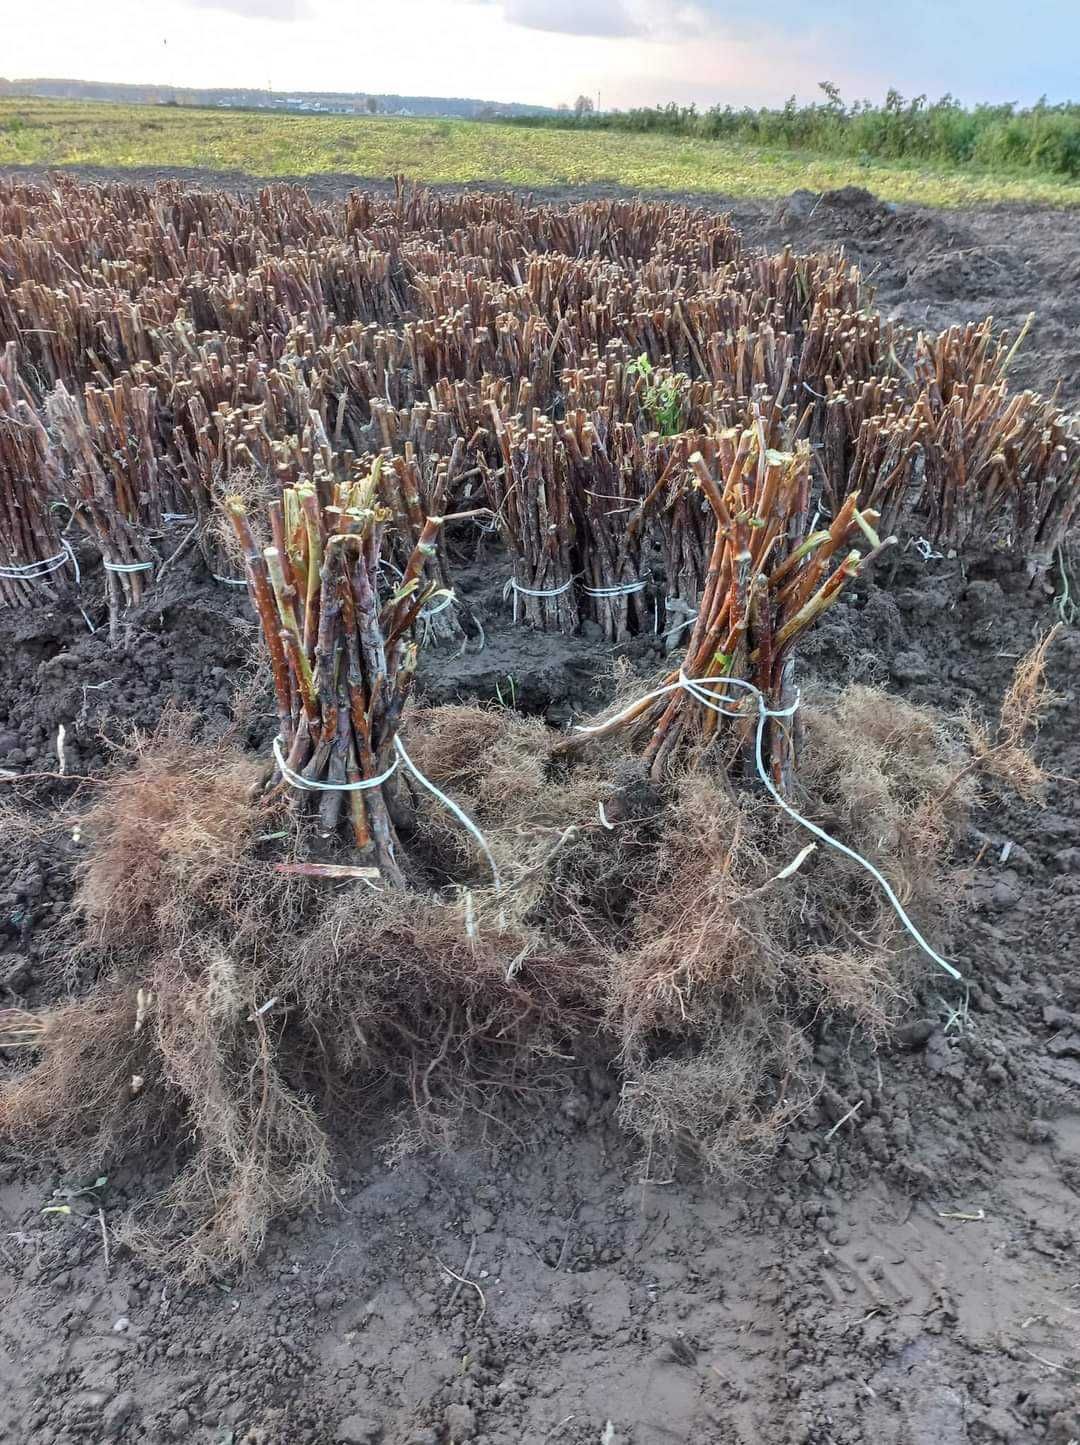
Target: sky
[[544, 52]]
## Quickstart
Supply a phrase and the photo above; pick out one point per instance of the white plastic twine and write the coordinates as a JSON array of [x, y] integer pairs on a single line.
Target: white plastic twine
[[32, 571], [310, 786], [698, 689], [427, 613], [672, 604], [512, 585], [449, 599], [462, 817], [432, 609], [230, 581], [127, 566], [679, 627], [624, 589], [364, 784]]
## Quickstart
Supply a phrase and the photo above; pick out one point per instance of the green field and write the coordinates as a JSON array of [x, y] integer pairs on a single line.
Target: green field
[[69, 133]]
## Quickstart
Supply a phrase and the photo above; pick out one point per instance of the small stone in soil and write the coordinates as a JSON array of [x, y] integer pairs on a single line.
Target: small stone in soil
[[913, 1035], [358, 1430], [116, 1413], [460, 1422]]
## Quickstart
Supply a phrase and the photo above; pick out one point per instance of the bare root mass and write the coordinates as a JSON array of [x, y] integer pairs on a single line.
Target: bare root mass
[[239, 1017]]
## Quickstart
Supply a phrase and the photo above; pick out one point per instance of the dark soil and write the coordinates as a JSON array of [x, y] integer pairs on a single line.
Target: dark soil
[[905, 1275], [933, 269]]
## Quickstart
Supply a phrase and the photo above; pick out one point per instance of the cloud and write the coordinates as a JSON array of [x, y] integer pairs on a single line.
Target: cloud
[[258, 9], [607, 19]]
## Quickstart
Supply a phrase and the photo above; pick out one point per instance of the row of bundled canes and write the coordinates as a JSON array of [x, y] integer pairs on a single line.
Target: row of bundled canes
[[161, 349]]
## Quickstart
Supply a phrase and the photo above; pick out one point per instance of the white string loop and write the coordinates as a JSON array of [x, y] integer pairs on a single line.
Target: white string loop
[[127, 566], [515, 587], [310, 786], [698, 689], [432, 609], [427, 613], [364, 784], [33, 571], [625, 589]]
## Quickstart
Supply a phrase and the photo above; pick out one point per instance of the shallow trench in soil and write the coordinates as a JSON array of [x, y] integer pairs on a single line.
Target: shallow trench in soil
[[908, 1278]]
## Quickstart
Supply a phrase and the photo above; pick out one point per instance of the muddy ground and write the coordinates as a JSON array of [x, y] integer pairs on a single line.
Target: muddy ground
[[910, 1277]]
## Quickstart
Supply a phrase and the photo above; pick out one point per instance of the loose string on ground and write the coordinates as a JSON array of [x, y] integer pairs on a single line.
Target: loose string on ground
[[230, 581], [1064, 603], [459, 813], [698, 689]]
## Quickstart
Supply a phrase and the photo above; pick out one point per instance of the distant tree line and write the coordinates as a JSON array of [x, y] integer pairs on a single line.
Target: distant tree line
[[246, 97], [1041, 137]]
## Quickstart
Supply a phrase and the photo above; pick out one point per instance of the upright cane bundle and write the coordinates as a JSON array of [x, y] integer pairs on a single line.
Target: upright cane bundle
[[769, 579], [340, 653]]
